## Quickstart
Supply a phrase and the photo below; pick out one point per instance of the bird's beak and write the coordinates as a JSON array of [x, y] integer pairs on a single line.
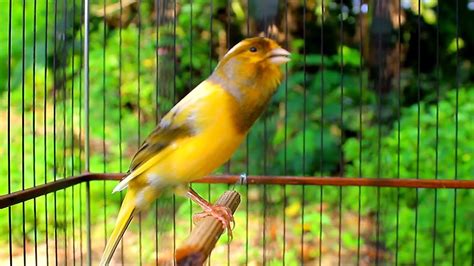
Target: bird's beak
[[278, 56]]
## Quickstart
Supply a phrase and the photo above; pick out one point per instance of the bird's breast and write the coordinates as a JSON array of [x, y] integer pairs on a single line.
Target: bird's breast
[[214, 141], [249, 97]]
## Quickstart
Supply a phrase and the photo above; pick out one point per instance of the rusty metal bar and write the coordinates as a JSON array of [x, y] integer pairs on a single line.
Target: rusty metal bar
[[342, 181], [27, 194], [31, 193]]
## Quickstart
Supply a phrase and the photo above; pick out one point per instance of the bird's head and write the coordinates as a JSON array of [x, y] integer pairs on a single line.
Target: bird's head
[[253, 62], [250, 72], [257, 51]]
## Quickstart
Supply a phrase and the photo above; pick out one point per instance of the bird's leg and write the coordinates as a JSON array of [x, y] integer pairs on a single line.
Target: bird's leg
[[222, 213]]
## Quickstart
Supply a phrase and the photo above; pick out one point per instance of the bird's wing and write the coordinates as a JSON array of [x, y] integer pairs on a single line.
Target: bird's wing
[[172, 127], [178, 123], [161, 137]]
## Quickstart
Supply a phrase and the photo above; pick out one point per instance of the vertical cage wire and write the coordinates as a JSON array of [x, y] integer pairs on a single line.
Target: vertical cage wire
[[139, 32], [341, 160], [23, 128], [398, 131], [120, 115], [104, 116], [456, 134], [175, 73], [73, 145], [285, 152], [361, 62], [87, 129], [247, 158], [159, 11], [34, 134], [303, 159], [81, 39], [435, 206], [321, 155], [9, 128]]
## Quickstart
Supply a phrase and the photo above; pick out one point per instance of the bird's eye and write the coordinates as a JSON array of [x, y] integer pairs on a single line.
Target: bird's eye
[[253, 49]]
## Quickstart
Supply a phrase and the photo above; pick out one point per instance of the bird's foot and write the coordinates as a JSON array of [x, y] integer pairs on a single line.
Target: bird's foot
[[221, 213]]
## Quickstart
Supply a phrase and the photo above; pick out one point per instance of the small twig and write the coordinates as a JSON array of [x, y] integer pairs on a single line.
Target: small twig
[[205, 234]]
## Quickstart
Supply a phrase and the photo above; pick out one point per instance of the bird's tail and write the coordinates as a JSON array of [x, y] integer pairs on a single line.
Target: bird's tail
[[123, 220]]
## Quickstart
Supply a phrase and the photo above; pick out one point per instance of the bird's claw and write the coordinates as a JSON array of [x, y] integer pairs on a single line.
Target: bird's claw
[[221, 213]]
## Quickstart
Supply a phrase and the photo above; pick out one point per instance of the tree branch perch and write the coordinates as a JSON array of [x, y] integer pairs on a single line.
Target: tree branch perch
[[203, 238]]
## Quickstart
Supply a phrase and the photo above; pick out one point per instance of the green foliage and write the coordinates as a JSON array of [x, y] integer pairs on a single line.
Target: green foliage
[[405, 159], [321, 139]]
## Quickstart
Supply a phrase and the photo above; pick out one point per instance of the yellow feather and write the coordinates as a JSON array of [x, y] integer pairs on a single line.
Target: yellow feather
[[123, 220]]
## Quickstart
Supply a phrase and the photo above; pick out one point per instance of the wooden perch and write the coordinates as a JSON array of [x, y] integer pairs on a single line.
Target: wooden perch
[[205, 234]]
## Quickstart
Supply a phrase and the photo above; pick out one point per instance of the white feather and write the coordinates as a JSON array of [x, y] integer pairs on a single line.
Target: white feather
[[140, 199], [154, 180], [124, 183]]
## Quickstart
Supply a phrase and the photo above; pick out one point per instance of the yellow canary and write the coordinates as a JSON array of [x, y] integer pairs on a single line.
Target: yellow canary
[[201, 132]]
